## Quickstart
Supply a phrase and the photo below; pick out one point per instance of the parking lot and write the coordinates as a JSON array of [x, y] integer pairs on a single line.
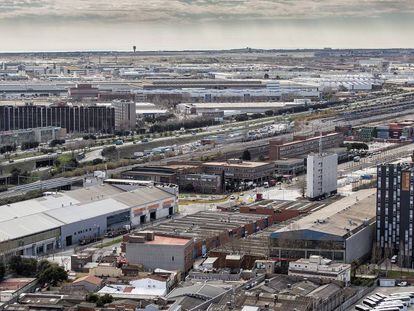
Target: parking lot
[[387, 291]]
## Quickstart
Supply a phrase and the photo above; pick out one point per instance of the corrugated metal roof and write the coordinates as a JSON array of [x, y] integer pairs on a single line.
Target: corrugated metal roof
[[27, 225], [72, 214], [49, 212]]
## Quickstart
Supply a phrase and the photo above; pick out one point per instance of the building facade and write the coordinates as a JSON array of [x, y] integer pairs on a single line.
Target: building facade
[[237, 171], [125, 115], [395, 209], [159, 252], [281, 150], [83, 119], [319, 267], [321, 175]]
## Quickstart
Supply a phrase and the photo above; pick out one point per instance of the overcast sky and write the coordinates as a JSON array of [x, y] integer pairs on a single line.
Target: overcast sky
[[56, 25]]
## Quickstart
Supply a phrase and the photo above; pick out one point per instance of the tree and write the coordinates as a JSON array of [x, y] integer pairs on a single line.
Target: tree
[[2, 270], [188, 188], [92, 298], [55, 142], [29, 145], [97, 161], [43, 265], [52, 274], [103, 300], [108, 151], [241, 117], [23, 266], [246, 155]]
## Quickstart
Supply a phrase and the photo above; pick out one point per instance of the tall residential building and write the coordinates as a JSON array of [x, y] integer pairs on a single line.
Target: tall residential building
[[321, 176], [395, 208], [125, 115], [83, 119]]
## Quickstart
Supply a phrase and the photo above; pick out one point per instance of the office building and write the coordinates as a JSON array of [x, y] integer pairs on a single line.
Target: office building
[[395, 210], [321, 175], [125, 115], [81, 119]]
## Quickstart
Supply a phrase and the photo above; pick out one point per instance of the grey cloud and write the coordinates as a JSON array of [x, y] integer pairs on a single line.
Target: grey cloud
[[190, 10]]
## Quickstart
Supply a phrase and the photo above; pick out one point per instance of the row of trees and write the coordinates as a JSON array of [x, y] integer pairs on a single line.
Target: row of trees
[[253, 116], [357, 146], [29, 145], [186, 124], [7, 148], [56, 142]]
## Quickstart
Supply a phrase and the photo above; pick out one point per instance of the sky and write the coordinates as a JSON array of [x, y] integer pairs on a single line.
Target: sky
[[68, 25]]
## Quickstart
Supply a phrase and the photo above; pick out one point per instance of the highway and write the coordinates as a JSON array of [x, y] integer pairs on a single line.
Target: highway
[[231, 128]]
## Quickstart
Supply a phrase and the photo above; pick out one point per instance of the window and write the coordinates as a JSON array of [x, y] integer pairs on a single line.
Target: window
[[172, 258]]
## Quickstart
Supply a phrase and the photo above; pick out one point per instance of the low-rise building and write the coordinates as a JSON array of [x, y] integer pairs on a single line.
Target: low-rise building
[[149, 287], [13, 287], [236, 171], [159, 251], [319, 267], [89, 282], [280, 149]]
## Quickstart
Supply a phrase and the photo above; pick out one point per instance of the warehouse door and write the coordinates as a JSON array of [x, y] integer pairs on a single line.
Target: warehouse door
[[153, 216], [69, 240]]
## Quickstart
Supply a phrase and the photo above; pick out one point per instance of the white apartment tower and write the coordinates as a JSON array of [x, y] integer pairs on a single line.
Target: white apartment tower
[[321, 176]]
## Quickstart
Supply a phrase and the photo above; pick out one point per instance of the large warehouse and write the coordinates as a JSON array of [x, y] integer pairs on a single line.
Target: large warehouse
[[61, 219], [342, 231]]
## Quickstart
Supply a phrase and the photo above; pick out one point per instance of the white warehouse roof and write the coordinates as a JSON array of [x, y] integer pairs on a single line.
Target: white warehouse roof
[[53, 211]]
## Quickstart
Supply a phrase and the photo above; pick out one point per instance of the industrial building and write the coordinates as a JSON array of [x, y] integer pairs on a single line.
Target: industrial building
[[280, 149], [239, 107], [155, 251], [60, 219], [321, 175], [189, 178], [236, 171], [395, 209], [89, 119], [342, 231], [210, 229]]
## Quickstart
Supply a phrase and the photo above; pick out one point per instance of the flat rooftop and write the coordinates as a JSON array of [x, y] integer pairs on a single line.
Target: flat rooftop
[[347, 213], [166, 240], [245, 164]]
